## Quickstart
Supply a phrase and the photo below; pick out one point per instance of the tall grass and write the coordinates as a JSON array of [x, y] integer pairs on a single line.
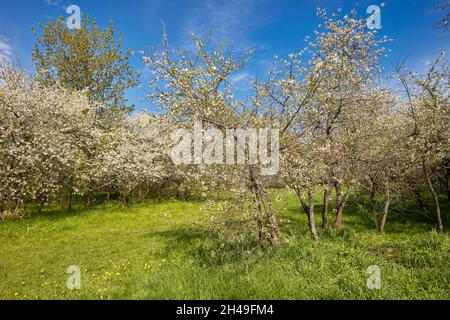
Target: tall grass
[[153, 251]]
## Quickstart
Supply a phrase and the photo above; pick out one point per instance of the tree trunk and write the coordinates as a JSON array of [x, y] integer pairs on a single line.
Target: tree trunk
[[260, 219], [303, 203], [312, 222], [88, 201], [69, 200], [127, 199], [308, 208], [62, 200], [387, 203], [439, 226], [89, 195], [262, 200], [423, 207], [105, 203], [341, 201], [338, 222], [41, 206], [326, 194], [42, 201], [270, 213]]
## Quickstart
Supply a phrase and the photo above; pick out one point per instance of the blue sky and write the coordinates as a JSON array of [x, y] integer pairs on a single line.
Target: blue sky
[[272, 27]]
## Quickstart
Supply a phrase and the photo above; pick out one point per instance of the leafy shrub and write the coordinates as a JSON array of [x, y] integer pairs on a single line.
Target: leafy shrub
[[231, 226]]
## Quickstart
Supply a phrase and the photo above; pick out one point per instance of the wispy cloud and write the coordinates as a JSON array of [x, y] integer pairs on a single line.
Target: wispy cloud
[[52, 2], [240, 76], [231, 21], [5, 48], [58, 4]]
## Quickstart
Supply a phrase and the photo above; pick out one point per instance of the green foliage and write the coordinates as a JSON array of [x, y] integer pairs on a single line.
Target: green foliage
[[88, 59], [154, 251], [231, 228]]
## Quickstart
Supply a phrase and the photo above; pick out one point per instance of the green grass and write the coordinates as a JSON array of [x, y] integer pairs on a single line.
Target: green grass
[[153, 251]]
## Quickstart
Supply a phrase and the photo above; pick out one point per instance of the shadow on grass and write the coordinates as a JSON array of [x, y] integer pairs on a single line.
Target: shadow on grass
[[404, 217], [53, 212], [198, 244]]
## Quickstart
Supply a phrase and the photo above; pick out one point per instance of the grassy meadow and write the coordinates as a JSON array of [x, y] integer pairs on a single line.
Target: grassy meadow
[[153, 251]]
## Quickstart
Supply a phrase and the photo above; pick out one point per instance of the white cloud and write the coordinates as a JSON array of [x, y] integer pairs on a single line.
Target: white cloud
[[231, 21], [52, 2], [5, 48], [240, 76], [242, 80]]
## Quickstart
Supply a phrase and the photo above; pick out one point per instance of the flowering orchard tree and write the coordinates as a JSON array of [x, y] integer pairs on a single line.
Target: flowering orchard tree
[[52, 145], [136, 154], [381, 158], [331, 95], [348, 55], [329, 110], [44, 131], [426, 105], [333, 125], [198, 88]]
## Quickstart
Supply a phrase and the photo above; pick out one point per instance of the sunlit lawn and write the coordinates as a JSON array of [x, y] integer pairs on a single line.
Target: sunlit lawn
[[153, 251]]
